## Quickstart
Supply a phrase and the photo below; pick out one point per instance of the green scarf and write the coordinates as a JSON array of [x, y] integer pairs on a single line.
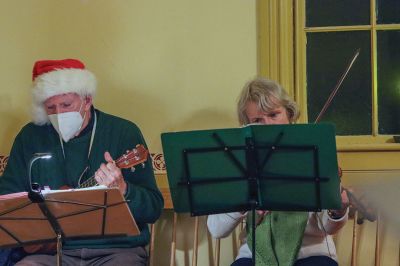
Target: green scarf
[[278, 237]]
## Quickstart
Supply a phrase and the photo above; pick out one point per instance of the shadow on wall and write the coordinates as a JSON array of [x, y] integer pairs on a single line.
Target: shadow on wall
[[11, 123], [205, 119], [136, 106], [13, 117], [147, 111]]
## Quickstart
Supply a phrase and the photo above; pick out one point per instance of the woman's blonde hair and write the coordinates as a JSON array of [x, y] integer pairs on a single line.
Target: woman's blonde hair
[[268, 95]]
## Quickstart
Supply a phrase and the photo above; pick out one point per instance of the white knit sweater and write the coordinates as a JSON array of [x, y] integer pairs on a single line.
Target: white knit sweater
[[317, 240]]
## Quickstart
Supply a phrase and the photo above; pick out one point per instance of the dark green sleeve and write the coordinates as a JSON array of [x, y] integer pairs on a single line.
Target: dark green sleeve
[[15, 176], [145, 199]]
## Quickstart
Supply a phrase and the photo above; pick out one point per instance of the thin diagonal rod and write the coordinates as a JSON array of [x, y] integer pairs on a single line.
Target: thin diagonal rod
[[335, 90]]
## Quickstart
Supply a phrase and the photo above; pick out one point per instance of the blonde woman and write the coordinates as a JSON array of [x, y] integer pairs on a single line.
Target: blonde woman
[[283, 238]]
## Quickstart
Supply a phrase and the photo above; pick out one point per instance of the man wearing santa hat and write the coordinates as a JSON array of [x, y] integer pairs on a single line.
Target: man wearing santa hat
[[83, 142]]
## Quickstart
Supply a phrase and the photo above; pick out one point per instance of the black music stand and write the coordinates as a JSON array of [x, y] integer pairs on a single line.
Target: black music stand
[[269, 167], [49, 216]]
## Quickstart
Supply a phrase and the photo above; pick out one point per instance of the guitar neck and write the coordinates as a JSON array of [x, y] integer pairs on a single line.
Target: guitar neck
[[130, 159]]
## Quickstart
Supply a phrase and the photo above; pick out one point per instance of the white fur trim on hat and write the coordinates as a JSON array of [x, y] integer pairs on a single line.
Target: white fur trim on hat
[[61, 81]]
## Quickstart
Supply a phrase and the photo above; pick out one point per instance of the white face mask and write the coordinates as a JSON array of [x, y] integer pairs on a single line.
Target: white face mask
[[67, 124]]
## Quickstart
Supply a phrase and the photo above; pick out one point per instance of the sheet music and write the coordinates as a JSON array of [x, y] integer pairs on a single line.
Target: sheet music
[[51, 191], [13, 195]]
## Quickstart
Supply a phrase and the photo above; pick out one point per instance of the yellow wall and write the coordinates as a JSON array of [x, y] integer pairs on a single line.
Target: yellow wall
[[166, 65], [24, 37]]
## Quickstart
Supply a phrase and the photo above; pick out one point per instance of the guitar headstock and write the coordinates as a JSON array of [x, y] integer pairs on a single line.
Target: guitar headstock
[[133, 157]]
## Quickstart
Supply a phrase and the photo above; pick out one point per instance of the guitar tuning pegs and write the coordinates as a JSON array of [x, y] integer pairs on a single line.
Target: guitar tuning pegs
[[143, 165], [133, 169]]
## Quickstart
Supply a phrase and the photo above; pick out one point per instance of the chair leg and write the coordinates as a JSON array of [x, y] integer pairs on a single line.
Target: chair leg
[[241, 232], [151, 245], [354, 242], [173, 243], [217, 251], [195, 242], [378, 242]]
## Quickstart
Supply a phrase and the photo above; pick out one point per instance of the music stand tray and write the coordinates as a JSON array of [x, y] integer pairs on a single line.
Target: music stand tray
[[270, 167], [70, 214]]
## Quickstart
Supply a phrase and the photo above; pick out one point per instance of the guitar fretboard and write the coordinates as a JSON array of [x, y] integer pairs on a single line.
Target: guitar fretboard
[[91, 182]]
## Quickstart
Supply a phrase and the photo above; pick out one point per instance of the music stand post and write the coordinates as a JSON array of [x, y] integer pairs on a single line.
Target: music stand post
[[253, 175], [37, 197], [251, 157]]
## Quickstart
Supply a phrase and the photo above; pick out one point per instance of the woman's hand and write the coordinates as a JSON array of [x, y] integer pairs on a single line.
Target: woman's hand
[[337, 214], [260, 216]]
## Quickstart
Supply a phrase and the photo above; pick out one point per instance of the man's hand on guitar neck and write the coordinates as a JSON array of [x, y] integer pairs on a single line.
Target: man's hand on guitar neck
[[110, 175]]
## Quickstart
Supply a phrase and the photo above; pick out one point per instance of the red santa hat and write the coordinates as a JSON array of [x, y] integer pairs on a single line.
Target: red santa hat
[[55, 77]]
